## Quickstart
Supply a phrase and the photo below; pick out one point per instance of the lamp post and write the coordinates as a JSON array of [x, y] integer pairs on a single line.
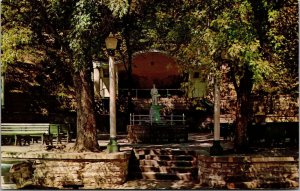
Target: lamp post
[[111, 45]]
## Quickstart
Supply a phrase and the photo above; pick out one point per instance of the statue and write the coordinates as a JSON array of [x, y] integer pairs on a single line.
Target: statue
[[154, 95], [155, 108]]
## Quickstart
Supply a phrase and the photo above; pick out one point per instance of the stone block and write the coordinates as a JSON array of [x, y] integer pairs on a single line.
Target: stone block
[[108, 169], [261, 172], [216, 165]]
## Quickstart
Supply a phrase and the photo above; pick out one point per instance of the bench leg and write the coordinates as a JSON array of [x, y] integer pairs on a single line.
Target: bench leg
[[27, 139], [60, 137]]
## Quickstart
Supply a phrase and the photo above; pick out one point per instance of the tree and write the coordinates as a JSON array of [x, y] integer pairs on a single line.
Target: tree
[[85, 15], [282, 38], [240, 34], [245, 35], [74, 31]]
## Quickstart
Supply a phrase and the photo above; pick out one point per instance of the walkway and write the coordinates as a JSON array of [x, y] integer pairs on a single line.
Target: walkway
[[197, 141]]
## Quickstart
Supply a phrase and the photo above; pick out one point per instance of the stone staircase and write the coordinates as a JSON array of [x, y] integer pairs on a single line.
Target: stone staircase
[[158, 163]]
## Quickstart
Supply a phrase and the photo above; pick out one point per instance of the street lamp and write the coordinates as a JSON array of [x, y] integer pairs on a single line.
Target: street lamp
[[111, 45]]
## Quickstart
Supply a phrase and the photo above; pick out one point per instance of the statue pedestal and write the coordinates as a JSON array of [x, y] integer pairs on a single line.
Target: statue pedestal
[[155, 113], [157, 133]]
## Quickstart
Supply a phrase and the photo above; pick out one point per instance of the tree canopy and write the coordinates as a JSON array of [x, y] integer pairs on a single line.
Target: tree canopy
[[257, 40]]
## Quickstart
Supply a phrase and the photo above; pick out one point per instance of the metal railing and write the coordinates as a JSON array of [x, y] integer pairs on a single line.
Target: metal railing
[[171, 119], [145, 93]]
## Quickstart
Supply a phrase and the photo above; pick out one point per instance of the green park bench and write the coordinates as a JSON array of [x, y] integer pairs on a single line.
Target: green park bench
[[28, 130], [45, 131], [60, 131]]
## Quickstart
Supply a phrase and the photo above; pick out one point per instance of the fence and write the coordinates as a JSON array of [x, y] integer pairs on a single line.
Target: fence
[[145, 93], [171, 119]]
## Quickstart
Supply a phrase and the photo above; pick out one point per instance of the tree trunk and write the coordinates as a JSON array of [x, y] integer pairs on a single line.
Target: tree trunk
[[243, 111], [86, 122]]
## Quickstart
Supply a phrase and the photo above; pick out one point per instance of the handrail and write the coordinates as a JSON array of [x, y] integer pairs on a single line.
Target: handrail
[[139, 119]]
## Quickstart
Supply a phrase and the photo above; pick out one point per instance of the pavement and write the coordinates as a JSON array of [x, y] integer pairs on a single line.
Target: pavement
[[196, 141]]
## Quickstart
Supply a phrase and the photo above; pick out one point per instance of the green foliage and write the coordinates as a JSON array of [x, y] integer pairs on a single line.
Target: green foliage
[[119, 8], [12, 42], [260, 35], [89, 26], [242, 34], [17, 36], [82, 25]]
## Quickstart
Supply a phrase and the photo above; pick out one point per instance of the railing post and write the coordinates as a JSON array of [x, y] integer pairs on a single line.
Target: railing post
[[183, 120], [136, 93], [171, 118], [140, 120], [133, 119], [130, 121], [150, 118]]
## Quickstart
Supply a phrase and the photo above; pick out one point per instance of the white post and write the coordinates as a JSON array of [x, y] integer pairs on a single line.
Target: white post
[[112, 98], [130, 120], [133, 119], [140, 120], [216, 148], [97, 80], [216, 110]]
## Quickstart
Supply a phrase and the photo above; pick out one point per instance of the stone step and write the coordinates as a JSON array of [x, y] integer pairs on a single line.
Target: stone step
[[167, 176], [166, 157], [177, 163], [164, 164], [167, 169], [160, 151]]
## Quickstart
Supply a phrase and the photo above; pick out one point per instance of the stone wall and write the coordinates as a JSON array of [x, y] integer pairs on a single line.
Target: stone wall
[[157, 133], [248, 172], [86, 172], [89, 175]]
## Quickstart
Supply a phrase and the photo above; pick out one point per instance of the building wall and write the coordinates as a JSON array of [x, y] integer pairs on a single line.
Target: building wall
[[150, 68]]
